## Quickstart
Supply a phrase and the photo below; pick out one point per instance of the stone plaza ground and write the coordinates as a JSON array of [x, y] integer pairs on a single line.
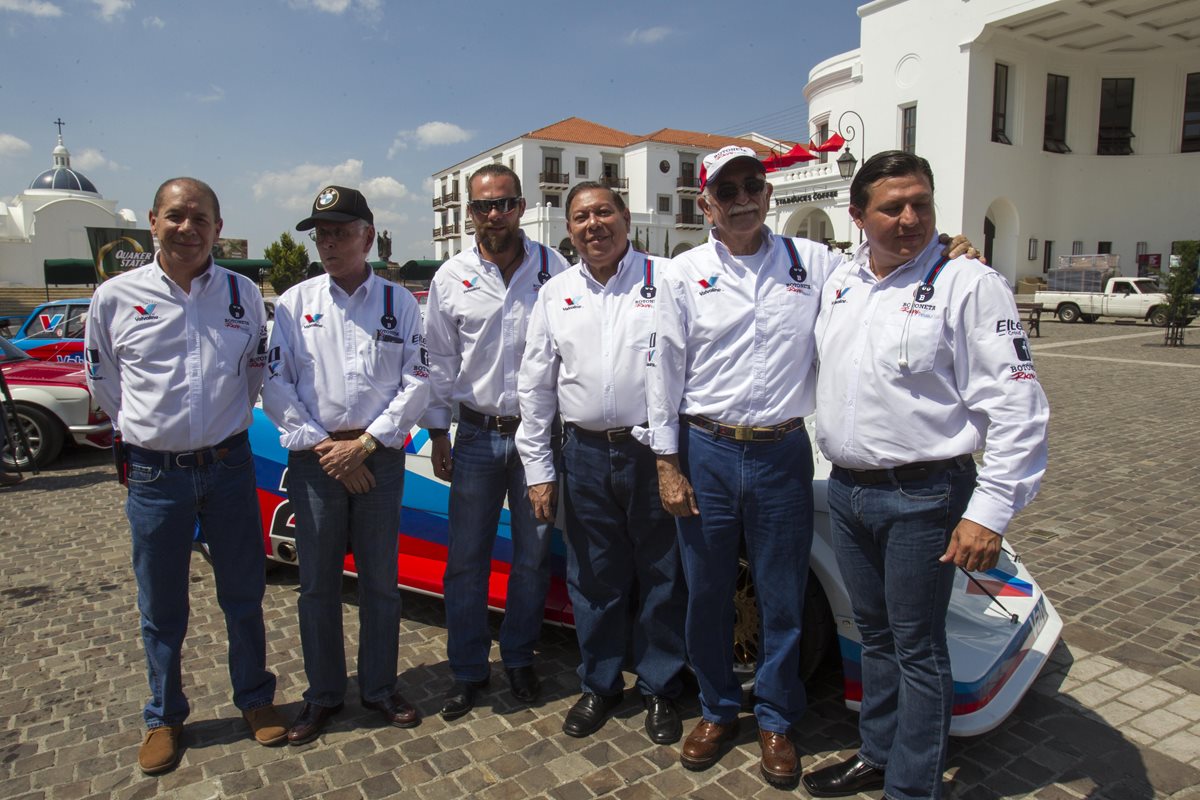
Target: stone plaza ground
[[1114, 538]]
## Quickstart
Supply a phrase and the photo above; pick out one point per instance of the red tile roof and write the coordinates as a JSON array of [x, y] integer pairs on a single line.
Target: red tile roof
[[582, 131]]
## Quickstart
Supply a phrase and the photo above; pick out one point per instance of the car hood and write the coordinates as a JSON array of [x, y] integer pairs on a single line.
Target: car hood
[[44, 372]]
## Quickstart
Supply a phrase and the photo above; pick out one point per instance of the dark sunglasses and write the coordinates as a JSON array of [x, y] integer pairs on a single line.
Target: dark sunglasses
[[728, 191], [501, 204]]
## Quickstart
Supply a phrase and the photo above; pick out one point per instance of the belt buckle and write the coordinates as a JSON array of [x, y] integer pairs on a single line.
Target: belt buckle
[[507, 426], [616, 435], [196, 457], [743, 433]]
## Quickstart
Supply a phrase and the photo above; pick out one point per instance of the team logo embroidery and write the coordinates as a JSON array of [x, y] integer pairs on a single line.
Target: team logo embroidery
[[236, 311], [50, 322], [1021, 345], [388, 321], [711, 283], [798, 274], [145, 312], [569, 304], [649, 292], [92, 356], [472, 284], [841, 293], [924, 293], [274, 361], [543, 276], [313, 320], [327, 198]]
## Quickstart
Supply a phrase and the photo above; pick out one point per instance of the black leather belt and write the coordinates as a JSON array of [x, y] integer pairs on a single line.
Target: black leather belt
[[745, 433], [612, 435], [188, 459], [916, 471], [505, 426]]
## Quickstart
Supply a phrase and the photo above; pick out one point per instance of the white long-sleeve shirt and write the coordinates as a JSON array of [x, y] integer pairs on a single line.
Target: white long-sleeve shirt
[[176, 370], [586, 356], [734, 343], [475, 330], [343, 362], [908, 375]]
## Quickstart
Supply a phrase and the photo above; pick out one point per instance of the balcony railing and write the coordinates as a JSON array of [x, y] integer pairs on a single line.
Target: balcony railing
[[446, 199], [688, 184], [553, 179], [689, 220], [620, 184]]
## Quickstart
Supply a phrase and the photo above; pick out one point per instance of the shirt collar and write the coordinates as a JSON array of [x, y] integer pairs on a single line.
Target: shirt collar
[[723, 251], [524, 248], [862, 258], [365, 288], [200, 282], [622, 265]]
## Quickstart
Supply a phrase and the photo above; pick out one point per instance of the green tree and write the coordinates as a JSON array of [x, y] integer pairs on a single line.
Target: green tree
[[1181, 283], [289, 263]]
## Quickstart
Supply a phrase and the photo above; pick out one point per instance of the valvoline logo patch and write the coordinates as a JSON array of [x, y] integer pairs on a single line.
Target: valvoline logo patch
[[710, 283], [50, 322], [840, 293], [145, 312], [472, 284], [313, 320]]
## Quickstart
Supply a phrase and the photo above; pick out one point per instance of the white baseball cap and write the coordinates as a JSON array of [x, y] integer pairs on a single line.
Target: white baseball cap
[[715, 162]]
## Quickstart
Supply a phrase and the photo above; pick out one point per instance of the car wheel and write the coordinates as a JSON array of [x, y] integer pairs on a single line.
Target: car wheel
[[1158, 317], [45, 435], [1090, 318], [747, 630], [1068, 312]]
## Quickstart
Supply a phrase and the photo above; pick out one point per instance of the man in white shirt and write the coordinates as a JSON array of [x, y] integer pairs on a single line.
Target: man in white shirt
[[347, 382], [475, 326], [175, 353], [923, 360], [591, 333], [731, 383]]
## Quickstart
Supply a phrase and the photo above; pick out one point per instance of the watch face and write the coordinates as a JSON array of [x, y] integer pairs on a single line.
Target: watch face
[[664, 166]]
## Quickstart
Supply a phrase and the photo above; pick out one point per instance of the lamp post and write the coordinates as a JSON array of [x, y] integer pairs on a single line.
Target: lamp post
[[846, 161]]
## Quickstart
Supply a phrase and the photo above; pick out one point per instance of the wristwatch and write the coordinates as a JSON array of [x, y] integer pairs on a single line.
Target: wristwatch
[[368, 443]]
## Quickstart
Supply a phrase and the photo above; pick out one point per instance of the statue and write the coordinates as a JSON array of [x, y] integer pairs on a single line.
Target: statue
[[384, 246]]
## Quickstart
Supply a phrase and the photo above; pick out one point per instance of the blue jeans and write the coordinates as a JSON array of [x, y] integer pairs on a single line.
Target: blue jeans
[[486, 469], [164, 506], [328, 518], [623, 570], [760, 492], [888, 538]]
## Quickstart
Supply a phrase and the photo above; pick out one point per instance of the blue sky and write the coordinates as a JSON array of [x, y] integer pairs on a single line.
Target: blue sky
[[268, 100]]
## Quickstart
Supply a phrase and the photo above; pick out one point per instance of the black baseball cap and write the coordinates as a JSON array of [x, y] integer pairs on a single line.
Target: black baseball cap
[[338, 204]]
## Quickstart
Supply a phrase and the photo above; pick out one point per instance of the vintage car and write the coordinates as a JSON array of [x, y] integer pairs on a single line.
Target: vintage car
[[52, 403], [1001, 626], [54, 331]]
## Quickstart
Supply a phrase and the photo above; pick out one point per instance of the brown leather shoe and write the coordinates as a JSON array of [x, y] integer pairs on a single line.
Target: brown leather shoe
[[396, 710], [160, 749], [779, 765], [702, 748], [267, 725], [310, 722]]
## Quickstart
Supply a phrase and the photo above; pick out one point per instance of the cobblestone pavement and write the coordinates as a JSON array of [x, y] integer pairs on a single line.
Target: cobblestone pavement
[[1114, 538]]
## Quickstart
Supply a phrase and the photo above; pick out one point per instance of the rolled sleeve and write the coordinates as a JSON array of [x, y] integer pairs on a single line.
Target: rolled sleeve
[[537, 394]]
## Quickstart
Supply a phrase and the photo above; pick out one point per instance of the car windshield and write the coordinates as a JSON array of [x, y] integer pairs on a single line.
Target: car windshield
[[1146, 286], [10, 352]]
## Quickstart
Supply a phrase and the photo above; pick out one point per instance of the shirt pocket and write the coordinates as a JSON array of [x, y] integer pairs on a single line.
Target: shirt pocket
[[383, 362], [231, 345], [910, 346]]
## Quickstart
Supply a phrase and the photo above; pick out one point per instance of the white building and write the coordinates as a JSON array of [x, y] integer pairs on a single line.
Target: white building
[[50, 219], [657, 175], [1052, 126]]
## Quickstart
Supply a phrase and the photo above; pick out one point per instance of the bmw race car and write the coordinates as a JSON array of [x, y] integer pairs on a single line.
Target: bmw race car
[[1001, 626], [54, 331]]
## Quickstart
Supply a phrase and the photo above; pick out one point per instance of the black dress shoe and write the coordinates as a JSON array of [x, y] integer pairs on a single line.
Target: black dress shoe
[[589, 713], [460, 698], [662, 720], [842, 780], [396, 710], [524, 683], [310, 722]]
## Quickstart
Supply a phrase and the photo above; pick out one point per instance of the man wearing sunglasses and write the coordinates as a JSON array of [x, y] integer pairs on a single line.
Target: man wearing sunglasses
[[347, 383], [475, 324]]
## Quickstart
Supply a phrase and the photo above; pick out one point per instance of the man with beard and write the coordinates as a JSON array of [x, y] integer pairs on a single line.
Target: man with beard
[[589, 338], [475, 325]]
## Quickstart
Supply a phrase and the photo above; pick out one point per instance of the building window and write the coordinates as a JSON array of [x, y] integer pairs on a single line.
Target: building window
[[822, 137], [908, 129], [1047, 255], [1000, 105], [554, 200], [664, 204], [1055, 136], [1103, 247], [512, 163], [581, 167], [1116, 117], [1077, 247], [1190, 142]]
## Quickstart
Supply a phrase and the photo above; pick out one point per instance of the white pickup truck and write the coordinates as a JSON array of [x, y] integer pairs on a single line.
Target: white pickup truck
[[1139, 298]]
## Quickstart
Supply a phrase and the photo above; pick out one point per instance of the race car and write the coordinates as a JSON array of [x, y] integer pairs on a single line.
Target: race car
[[1001, 626], [54, 331]]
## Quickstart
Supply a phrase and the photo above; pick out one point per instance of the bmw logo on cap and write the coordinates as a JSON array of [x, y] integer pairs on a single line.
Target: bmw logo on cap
[[327, 198]]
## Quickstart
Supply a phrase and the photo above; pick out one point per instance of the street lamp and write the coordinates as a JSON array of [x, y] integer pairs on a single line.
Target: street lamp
[[846, 164], [846, 161]]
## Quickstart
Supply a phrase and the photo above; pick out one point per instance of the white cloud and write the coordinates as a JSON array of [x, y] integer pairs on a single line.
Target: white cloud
[[387, 218], [430, 134], [338, 6], [90, 158], [35, 8], [427, 186], [154, 22], [10, 145], [215, 95], [647, 35], [383, 188], [108, 10]]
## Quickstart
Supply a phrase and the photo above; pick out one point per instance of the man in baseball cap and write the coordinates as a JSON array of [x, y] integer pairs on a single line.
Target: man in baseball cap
[[337, 204]]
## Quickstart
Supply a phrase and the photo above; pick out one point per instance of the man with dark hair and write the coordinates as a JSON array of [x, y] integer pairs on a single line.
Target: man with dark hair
[[347, 383], [923, 360], [175, 355], [591, 333], [475, 325]]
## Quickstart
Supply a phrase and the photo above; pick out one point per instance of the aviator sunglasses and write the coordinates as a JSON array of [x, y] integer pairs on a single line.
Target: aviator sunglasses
[[501, 204], [728, 191]]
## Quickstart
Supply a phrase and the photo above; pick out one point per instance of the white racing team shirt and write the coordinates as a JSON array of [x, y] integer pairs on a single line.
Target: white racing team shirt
[[586, 356], [734, 344], [929, 363], [176, 370], [341, 362], [475, 330]]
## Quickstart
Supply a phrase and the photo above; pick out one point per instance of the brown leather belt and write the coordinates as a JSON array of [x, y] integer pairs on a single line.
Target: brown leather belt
[[505, 426], [188, 459], [342, 436], [745, 433], [611, 435], [916, 471]]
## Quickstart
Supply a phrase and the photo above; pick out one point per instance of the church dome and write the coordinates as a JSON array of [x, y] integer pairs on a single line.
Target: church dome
[[63, 178]]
